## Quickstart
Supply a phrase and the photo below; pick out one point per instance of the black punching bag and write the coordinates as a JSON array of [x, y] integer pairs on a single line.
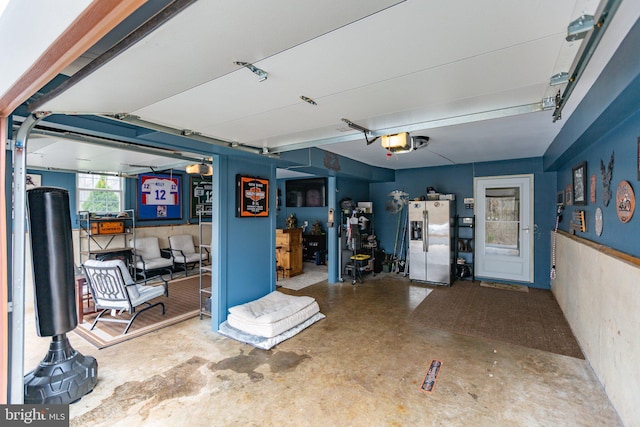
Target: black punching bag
[[52, 254], [64, 375]]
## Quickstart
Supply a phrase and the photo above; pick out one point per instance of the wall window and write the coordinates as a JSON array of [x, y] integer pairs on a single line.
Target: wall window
[[99, 193]]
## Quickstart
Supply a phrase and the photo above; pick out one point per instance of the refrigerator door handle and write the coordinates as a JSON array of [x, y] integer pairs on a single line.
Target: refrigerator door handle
[[425, 232]]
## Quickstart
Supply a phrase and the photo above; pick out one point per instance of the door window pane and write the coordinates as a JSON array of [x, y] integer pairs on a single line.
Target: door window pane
[[502, 221]]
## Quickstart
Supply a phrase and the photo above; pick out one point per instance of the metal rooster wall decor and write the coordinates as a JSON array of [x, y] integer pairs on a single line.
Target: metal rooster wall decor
[[606, 180]]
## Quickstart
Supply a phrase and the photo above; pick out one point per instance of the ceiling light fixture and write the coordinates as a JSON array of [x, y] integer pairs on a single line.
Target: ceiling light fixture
[[403, 142], [255, 70], [396, 143], [199, 169]]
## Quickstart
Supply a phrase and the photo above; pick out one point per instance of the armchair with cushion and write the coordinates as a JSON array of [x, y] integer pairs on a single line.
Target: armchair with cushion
[[148, 259], [114, 290], [184, 251]]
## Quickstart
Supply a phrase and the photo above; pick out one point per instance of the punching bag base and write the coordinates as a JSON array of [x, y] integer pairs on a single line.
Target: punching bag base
[[62, 377]]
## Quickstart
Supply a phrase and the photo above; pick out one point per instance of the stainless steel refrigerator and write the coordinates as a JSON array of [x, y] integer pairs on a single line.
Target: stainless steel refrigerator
[[430, 241]]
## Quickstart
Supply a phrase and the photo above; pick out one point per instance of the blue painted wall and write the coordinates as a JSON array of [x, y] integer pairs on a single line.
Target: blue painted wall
[[606, 121], [622, 141], [458, 179], [62, 180], [358, 190], [354, 189], [249, 245]]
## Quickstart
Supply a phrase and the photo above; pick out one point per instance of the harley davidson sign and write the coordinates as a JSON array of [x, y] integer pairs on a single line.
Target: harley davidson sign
[[253, 196]]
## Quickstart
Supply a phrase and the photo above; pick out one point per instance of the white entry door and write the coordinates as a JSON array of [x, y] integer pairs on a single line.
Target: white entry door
[[504, 227]]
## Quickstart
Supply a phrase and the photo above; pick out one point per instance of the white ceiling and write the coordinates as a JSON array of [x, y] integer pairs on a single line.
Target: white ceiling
[[62, 154], [385, 65]]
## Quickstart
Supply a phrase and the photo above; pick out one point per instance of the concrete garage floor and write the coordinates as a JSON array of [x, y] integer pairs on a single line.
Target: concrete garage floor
[[361, 366]]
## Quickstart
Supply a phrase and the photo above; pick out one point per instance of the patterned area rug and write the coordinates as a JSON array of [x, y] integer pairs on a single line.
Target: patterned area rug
[[182, 304], [311, 274], [531, 319]]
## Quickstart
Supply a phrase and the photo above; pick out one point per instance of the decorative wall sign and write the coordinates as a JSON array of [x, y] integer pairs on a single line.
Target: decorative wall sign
[[252, 196], [580, 184], [568, 199], [201, 192], [592, 189], [159, 196], [625, 201], [33, 180], [332, 161], [598, 221], [606, 180], [578, 223]]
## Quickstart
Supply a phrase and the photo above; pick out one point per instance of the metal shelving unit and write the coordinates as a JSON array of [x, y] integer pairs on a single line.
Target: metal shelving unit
[[94, 243], [205, 292], [464, 247]]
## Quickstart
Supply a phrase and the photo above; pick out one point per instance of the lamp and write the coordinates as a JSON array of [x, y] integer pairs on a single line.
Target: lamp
[[199, 169]]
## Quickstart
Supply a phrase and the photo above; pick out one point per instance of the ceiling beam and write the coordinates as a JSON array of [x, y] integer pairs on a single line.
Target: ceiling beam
[[449, 121]]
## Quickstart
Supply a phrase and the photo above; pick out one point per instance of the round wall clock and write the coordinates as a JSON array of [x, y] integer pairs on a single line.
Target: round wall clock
[[625, 201], [598, 221]]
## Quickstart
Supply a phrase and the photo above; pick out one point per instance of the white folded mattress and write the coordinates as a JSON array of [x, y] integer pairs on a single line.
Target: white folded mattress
[[272, 314]]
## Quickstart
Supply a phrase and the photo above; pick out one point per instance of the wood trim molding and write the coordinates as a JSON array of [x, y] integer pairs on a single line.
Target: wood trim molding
[[629, 259], [100, 17]]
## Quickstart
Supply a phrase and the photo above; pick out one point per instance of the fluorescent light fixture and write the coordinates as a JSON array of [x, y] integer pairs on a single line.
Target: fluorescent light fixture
[[397, 143], [199, 169]]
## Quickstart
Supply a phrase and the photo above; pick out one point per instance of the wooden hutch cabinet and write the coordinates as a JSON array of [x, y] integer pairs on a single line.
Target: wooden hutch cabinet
[[289, 251]]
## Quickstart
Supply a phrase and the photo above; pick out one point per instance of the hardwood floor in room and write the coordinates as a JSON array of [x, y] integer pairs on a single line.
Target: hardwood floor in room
[[360, 366]]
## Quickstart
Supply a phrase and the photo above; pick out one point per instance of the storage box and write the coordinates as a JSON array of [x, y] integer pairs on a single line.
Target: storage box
[[107, 227]]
